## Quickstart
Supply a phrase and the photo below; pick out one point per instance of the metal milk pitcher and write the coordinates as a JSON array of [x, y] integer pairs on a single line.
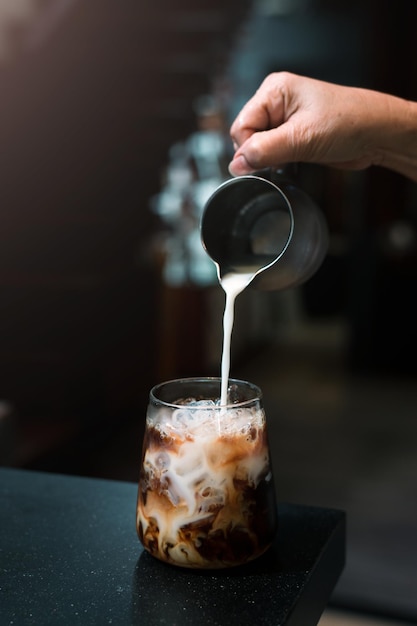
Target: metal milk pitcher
[[262, 224]]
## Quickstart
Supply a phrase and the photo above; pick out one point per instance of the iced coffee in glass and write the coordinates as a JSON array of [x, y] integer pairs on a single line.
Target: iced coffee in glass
[[206, 495]]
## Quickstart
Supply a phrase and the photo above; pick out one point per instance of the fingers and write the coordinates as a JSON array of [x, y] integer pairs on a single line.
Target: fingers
[[261, 133], [265, 149], [265, 110], [239, 166]]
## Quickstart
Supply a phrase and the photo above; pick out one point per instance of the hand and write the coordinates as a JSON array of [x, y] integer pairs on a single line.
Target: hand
[[296, 119]]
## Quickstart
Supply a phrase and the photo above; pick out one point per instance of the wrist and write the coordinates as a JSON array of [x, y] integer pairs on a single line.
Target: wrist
[[396, 139]]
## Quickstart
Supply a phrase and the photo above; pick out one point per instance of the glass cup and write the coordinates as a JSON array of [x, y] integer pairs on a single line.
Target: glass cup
[[206, 496]]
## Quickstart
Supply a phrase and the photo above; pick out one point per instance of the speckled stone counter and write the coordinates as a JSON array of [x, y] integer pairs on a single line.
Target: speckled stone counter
[[69, 554]]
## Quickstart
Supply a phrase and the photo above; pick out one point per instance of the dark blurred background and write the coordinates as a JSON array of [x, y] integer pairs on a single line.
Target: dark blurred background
[[95, 99], [93, 94]]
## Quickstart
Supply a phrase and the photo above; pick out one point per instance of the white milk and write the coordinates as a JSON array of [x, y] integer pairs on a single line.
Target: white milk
[[233, 284]]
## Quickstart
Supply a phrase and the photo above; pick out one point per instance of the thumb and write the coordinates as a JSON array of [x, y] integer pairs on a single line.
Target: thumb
[[269, 148]]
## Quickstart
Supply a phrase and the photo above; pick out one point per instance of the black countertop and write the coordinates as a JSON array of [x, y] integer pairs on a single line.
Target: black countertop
[[69, 554]]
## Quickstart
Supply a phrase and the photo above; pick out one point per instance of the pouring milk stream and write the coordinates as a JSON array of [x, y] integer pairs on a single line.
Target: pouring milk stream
[[233, 284]]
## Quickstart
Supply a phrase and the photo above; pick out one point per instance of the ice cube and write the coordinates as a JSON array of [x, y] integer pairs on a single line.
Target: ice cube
[[162, 461]]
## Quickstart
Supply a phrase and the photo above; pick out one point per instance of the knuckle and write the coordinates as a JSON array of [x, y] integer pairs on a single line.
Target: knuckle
[[255, 150]]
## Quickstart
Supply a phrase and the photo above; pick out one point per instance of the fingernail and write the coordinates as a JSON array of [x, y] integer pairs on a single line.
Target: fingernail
[[239, 166]]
